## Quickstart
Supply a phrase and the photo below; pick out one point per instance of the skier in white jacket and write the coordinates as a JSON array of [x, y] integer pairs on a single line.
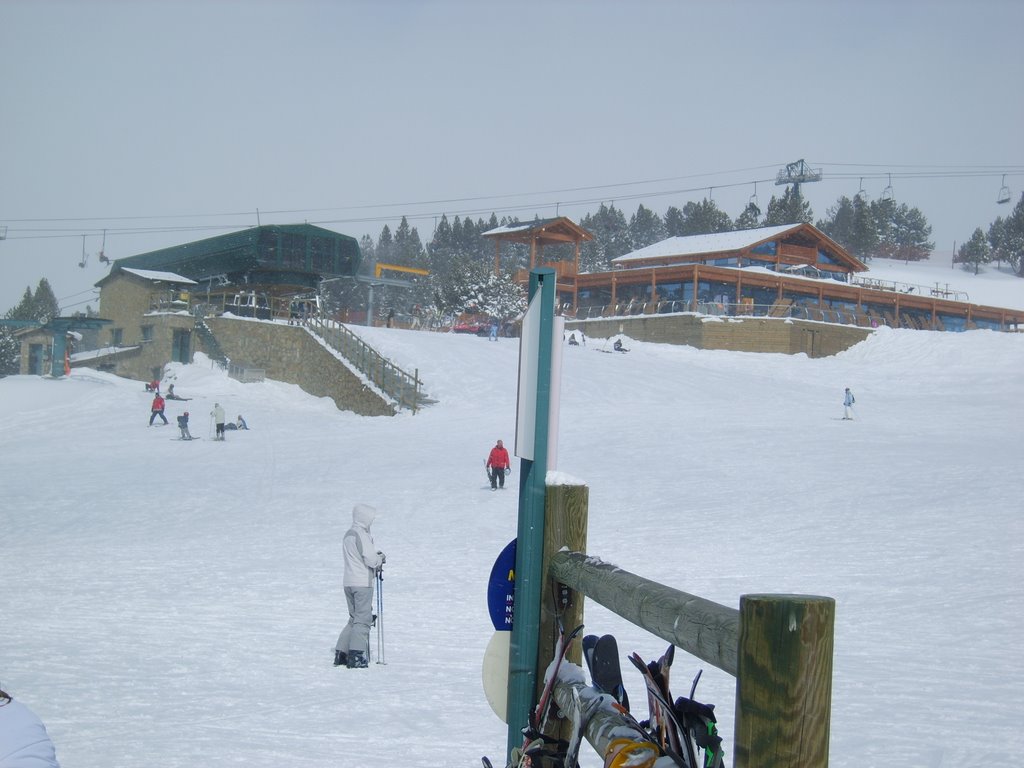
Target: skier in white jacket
[[848, 401], [218, 418], [24, 742], [362, 559]]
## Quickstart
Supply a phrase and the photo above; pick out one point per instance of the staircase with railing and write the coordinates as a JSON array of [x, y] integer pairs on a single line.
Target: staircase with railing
[[211, 344], [404, 388]]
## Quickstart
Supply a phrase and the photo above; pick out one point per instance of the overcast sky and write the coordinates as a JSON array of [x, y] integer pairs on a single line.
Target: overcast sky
[[168, 122]]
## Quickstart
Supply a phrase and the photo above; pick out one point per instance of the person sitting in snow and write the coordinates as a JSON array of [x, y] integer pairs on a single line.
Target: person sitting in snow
[[157, 409], [172, 396], [363, 562], [240, 424], [183, 426], [617, 346], [153, 386]]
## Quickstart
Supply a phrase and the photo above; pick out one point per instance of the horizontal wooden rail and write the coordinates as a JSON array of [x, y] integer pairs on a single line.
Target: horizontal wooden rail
[[700, 627]]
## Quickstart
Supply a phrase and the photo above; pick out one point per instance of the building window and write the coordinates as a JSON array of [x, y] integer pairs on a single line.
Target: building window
[[116, 336], [147, 333]]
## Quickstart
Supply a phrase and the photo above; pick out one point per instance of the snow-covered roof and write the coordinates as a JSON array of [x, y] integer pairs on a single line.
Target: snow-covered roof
[[152, 274], [93, 354], [712, 243], [505, 228]]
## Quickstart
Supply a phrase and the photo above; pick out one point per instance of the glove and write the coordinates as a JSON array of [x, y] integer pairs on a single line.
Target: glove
[[383, 557]]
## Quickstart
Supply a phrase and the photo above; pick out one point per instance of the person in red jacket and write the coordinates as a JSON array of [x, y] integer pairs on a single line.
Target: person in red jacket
[[157, 409], [497, 463]]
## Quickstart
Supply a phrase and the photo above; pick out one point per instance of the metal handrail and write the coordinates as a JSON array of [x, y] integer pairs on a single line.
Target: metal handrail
[[403, 387]]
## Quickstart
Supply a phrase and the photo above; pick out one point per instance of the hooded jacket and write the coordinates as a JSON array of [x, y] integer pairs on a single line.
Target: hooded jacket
[[23, 738], [361, 556], [218, 413]]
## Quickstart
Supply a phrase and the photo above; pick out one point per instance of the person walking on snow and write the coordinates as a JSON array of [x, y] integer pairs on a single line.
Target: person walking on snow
[[362, 562], [157, 409], [218, 419], [848, 402], [183, 426], [497, 463]]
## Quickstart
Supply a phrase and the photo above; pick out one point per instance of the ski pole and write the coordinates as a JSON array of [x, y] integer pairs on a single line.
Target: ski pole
[[380, 616]]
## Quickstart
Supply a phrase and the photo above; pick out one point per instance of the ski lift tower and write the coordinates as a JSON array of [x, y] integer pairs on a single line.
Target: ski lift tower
[[797, 173]]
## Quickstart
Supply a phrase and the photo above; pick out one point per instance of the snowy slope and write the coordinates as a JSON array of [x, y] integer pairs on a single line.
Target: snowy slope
[[176, 604], [994, 286]]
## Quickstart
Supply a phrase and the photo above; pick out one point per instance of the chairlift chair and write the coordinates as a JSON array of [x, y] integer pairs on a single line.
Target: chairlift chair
[[753, 201], [887, 193], [861, 194], [1004, 193]]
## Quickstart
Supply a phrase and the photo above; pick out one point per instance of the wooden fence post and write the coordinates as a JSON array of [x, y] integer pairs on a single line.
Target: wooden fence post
[[565, 526], [784, 681]]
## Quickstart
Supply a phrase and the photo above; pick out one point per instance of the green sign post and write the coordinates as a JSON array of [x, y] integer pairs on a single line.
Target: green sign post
[[532, 446]]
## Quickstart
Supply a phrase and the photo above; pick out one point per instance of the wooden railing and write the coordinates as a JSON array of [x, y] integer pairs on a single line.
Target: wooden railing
[[778, 647]]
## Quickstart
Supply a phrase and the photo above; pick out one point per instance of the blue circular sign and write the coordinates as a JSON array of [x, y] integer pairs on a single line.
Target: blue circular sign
[[501, 588]]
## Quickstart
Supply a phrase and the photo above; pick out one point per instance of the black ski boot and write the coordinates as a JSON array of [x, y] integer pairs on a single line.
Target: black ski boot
[[357, 660], [340, 659]]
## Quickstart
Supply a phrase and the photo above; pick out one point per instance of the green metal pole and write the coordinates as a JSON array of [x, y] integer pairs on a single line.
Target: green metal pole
[[529, 580]]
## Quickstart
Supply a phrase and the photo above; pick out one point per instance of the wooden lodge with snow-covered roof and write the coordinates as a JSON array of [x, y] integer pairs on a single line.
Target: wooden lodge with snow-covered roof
[[792, 271]]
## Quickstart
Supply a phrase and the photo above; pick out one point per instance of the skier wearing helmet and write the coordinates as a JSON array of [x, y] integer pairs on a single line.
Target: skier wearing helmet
[[183, 426]]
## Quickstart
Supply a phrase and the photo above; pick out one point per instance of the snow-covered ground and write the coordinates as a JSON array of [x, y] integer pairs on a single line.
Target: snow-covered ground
[[995, 285], [176, 604]]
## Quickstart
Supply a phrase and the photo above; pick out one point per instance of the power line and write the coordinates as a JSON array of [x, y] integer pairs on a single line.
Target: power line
[[929, 172]]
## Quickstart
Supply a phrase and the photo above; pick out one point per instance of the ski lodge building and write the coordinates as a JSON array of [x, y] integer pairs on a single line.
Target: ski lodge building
[[790, 271]]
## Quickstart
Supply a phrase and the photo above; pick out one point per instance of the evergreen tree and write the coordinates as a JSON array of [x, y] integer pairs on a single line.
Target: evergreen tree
[[1011, 242], [906, 234], [645, 227], [864, 237], [23, 309], [975, 251], [791, 208], [611, 239], [750, 218], [497, 296], [408, 249], [674, 222], [367, 250], [838, 222], [10, 353], [704, 218], [384, 252]]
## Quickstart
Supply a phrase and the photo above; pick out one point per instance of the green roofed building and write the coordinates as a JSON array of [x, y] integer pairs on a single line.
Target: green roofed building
[[277, 260]]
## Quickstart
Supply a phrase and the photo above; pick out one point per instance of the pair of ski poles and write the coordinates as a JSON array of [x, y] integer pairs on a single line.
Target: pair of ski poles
[[380, 615]]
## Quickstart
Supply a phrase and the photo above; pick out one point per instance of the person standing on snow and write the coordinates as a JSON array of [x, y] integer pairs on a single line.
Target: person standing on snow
[[23, 737], [218, 419], [848, 402], [183, 426], [497, 463], [157, 409], [362, 562]]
